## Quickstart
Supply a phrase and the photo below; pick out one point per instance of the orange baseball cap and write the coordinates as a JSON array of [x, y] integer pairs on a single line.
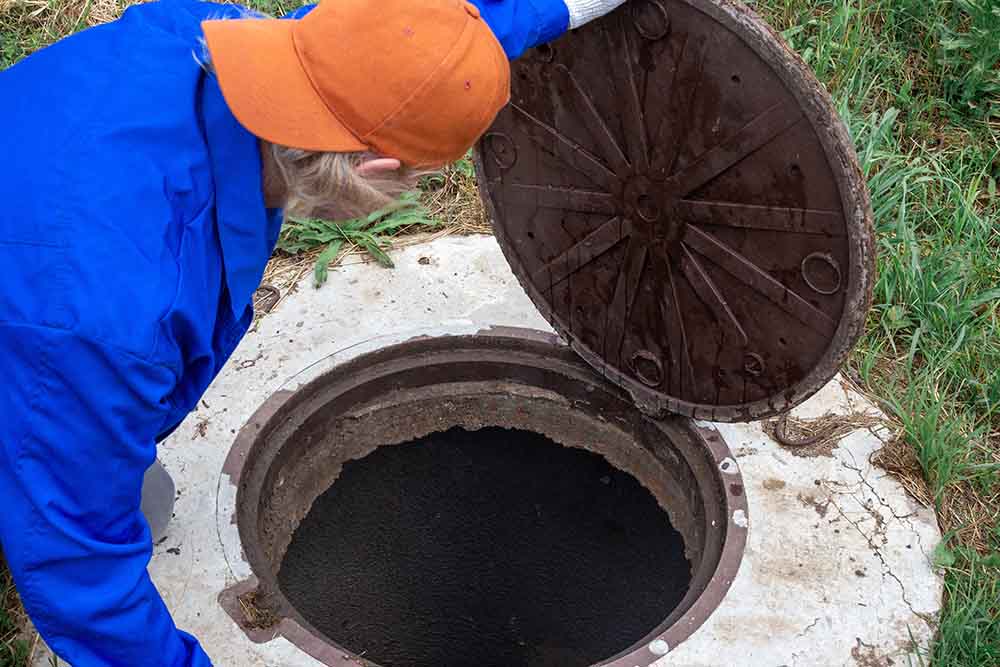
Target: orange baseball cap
[[417, 80]]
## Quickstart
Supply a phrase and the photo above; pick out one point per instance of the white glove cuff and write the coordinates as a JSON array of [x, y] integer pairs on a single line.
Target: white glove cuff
[[584, 11]]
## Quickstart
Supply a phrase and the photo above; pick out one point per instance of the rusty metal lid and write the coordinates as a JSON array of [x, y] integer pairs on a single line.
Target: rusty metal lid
[[679, 198]]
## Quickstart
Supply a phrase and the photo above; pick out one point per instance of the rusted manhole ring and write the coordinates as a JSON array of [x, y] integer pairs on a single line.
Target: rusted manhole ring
[[291, 450]]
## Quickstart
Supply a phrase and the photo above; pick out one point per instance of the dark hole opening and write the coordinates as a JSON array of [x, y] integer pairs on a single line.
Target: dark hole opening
[[493, 548]]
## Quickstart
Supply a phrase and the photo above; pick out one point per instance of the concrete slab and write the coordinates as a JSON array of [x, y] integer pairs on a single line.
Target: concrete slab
[[837, 570]]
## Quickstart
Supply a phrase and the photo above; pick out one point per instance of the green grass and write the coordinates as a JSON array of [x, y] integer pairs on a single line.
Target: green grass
[[14, 649], [372, 233], [918, 82]]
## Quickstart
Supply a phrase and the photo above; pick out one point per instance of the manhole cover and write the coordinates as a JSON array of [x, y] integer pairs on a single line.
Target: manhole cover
[[679, 198]]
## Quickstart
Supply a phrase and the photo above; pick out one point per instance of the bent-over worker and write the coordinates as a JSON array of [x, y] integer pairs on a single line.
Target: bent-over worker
[[147, 167]]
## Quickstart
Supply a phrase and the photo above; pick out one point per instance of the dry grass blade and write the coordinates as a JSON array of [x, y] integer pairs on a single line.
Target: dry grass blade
[[282, 275], [898, 458], [456, 201], [970, 516], [257, 615], [819, 436]]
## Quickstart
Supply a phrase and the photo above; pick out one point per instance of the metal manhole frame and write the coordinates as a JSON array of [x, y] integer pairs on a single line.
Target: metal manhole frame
[[242, 472]]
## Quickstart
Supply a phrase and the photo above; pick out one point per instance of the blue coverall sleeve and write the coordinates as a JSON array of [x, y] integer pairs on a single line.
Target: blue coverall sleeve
[[79, 423], [523, 24], [518, 24]]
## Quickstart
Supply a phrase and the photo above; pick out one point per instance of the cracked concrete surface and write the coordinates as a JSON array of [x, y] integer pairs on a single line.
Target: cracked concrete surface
[[838, 564], [837, 570]]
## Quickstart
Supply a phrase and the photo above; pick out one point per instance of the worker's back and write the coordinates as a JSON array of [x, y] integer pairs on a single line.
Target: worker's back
[[132, 211], [107, 154]]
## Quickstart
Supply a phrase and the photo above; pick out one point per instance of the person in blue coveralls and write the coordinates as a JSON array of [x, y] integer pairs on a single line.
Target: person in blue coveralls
[[147, 167]]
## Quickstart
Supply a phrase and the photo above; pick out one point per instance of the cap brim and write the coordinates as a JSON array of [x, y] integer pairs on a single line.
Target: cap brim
[[267, 88]]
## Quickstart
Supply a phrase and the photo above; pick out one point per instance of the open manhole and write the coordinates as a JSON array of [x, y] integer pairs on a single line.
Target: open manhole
[[480, 500]]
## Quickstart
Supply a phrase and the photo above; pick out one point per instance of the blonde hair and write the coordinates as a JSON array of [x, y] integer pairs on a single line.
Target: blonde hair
[[328, 185], [323, 184]]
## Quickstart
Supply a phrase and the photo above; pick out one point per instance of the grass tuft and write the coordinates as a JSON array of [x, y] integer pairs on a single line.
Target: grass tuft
[[452, 196], [14, 648], [372, 234]]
